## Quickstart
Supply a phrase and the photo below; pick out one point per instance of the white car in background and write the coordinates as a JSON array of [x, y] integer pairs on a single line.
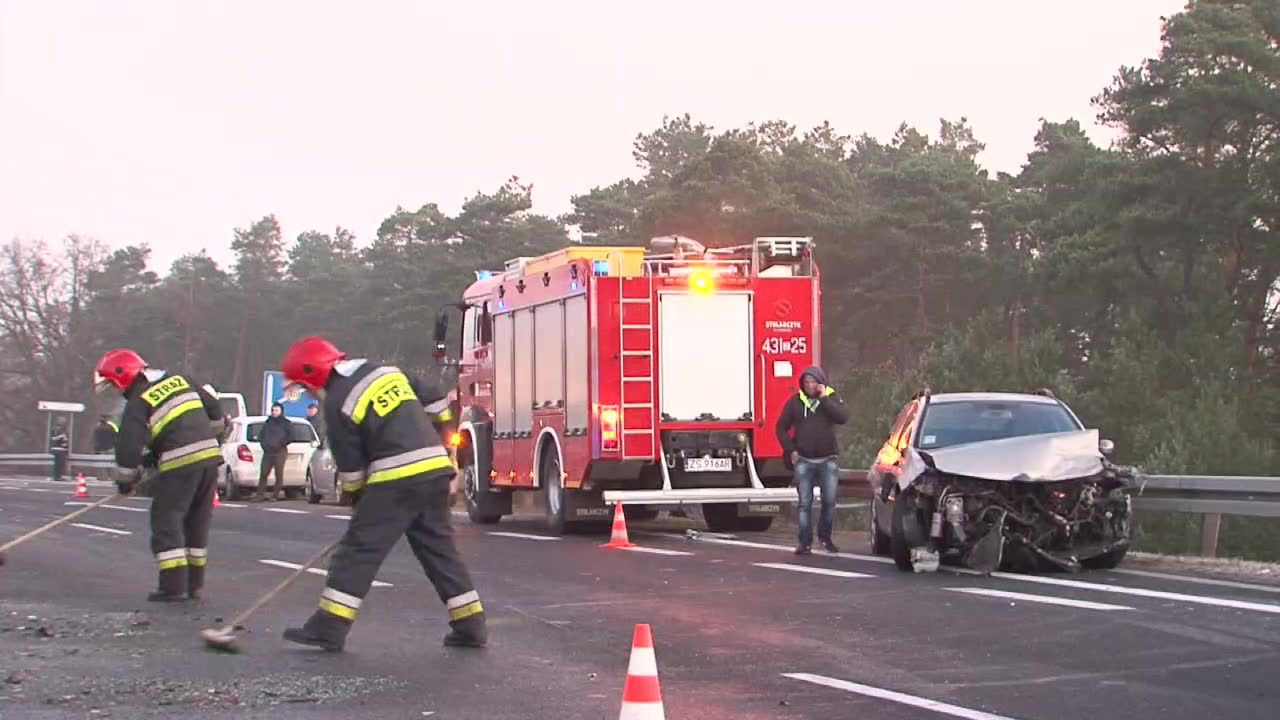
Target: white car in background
[[242, 454]]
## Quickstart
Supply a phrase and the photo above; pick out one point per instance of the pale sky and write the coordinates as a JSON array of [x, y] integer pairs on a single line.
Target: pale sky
[[174, 122]]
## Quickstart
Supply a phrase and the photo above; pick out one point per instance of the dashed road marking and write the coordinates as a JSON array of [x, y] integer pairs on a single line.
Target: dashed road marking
[[110, 507], [230, 505], [339, 517], [1045, 599], [98, 528], [1200, 581], [767, 546], [812, 570], [656, 551], [314, 571], [1141, 592], [288, 511], [897, 697], [523, 536]]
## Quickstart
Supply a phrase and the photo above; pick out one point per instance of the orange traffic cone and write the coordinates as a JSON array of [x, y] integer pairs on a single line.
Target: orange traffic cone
[[619, 538], [82, 488], [216, 501], [641, 695]]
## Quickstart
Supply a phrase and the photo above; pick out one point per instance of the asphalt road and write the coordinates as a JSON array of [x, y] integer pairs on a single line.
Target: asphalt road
[[742, 629]]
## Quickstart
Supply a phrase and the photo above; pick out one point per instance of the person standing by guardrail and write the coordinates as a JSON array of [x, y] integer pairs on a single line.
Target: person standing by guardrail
[[59, 447], [806, 431], [104, 435]]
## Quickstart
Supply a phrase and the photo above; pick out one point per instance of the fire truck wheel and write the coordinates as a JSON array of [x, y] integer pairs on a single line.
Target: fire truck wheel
[[475, 497], [553, 490]]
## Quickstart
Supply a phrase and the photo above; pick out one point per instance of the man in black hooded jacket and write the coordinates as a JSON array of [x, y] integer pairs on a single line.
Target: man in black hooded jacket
[[806, 430]]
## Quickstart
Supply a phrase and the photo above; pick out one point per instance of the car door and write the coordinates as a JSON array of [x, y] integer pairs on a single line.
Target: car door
[[302, 444]]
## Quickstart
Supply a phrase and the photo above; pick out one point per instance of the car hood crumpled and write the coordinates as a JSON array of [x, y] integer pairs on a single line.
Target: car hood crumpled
[[1035, 458]]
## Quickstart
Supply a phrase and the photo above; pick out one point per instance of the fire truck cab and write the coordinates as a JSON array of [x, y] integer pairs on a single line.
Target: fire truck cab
[[647, 376]]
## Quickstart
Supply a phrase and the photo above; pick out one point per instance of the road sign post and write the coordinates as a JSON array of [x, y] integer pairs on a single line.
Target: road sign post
[[60, 456]]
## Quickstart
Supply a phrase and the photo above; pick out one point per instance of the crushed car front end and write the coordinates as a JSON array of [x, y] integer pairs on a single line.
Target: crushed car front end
[[1023, 504]]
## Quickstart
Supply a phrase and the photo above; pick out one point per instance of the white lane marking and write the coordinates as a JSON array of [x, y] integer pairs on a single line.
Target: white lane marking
[[657, 551], [288, 511], [1139, 592], [902, 698], [1201, 581], [1046, 599], [523, 536], [313, 571], [111, 507], [230, 505], [98, 528], [812, 570], [767, 546], [37, 490], [339, 517]]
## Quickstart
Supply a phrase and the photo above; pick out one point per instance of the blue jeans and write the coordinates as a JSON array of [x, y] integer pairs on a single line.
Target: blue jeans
[[827, 474]]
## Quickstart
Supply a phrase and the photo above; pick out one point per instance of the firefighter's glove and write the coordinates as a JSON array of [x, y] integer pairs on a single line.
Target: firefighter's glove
[[125, 480]]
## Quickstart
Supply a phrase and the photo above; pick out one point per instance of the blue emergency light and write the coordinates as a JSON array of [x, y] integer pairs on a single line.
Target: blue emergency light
[[483, 274], [600, 267]]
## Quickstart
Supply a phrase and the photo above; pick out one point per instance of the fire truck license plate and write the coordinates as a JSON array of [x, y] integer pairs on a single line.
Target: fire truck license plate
[[708, 464]]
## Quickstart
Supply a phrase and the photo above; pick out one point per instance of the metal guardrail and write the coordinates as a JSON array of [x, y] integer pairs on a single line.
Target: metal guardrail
[[43, 462]]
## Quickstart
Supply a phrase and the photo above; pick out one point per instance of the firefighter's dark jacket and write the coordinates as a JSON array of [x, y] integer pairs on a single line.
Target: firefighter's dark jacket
[[174, 418], [377, 428]]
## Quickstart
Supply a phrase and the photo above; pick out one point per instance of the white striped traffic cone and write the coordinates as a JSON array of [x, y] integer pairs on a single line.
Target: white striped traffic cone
[[619, 538], [641, 695]]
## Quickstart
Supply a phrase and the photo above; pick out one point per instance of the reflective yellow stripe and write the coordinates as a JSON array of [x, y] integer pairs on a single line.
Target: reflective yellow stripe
[[445, 416], [334, 608], [191, 459], [113, 425], [829, 392], [199, 561], [466, 611], [174, 563], [394, 380], [404, 471], [174, 414]]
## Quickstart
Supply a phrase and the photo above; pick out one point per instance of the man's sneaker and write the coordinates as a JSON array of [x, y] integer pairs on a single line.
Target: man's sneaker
[[804, 550], [830, 547]]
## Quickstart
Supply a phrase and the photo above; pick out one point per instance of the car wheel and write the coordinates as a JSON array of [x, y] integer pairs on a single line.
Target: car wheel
[[313, 497], [233, 490], [880, 542], [904, 527]]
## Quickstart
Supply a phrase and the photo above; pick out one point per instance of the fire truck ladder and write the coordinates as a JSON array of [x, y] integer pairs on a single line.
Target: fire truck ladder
[[645, 380]]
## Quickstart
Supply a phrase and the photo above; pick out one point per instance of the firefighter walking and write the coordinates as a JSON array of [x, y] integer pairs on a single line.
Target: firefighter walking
[[390, 457], [177, 422]]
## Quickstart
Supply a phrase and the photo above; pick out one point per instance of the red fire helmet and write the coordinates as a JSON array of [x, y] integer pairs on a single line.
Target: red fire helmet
[[310, 361], [118, 368]]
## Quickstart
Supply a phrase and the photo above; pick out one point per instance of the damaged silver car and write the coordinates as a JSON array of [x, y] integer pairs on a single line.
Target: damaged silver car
[[998, 481]]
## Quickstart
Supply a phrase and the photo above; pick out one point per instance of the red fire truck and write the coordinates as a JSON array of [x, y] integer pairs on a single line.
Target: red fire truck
[[648, 376]]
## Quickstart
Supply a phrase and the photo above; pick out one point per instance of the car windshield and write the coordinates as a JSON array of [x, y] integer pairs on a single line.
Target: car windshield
[[957, 423], [302, 432]]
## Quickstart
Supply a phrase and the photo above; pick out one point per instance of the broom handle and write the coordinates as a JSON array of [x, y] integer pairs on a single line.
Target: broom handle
[[58, 522], [239, 619]]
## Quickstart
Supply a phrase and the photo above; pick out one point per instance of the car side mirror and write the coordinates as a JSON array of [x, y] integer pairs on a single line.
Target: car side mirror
[[1106, 447]]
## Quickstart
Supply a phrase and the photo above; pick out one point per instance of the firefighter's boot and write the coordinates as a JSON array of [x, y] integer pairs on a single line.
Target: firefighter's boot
[[172, 586], [323, 630], [195, 581], [468, 632]]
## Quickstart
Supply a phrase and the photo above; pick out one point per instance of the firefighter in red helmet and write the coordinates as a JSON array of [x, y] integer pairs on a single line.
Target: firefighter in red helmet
[[177, 421], [390, 458]]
